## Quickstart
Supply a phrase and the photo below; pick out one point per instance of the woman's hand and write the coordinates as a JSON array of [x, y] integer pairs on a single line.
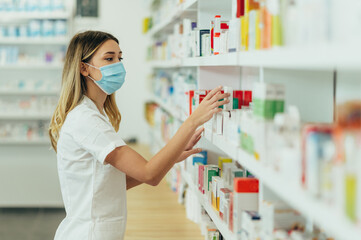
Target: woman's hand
[[209, 106], [189, 148]]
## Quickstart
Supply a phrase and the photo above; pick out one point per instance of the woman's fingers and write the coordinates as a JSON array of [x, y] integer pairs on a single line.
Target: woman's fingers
[[220, 103], [197, 140], [196, 137], [223, 95], [219, 96], [193, 151], [213, 92], [216, 110], [199, 131], [197, 134]]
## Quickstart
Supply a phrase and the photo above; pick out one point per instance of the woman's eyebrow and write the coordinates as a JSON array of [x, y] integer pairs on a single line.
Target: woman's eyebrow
[[111, 52]]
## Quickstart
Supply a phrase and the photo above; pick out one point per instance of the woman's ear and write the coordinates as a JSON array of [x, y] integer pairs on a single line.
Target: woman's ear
[[84, 69]]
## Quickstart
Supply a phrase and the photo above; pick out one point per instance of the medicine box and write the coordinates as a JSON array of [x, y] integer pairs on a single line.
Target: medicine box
[[226, 123], [209, 172], [268, 100], [228, 106], [251, 224], [245, 199], [223, 202], [247, 131], [217, 184], [221, 161], [219, 123], [201, 169], [200, 157], [233, 35]]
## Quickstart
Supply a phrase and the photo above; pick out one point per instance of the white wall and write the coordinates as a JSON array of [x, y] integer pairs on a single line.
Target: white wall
[[123, 19]]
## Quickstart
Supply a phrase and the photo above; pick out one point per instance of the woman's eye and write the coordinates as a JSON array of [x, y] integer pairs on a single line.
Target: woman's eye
[[109, 59], [120, 59]]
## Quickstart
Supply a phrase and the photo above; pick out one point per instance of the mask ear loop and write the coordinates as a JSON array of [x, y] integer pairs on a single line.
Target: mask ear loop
[[95, 81], [93, 67]]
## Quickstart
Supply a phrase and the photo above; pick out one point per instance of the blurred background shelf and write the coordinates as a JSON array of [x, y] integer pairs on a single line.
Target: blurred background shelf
[[35, 41], [10, 17], [172, 110], [28, 93], [25, 142], [23, 66], [183, 10], [25, 117]]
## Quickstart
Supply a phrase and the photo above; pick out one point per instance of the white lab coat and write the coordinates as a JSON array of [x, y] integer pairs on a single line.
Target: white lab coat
[[94, 193]]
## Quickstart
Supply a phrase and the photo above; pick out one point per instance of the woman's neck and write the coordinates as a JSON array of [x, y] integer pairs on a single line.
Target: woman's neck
[[97, 96]]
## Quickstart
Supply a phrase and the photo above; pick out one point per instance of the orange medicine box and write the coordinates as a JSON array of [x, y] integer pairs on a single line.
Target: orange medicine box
[[245, 199]]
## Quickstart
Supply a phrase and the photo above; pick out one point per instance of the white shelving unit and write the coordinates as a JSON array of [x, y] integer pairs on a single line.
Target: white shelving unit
[[322, 58], [167, 107], [301, 69], [325, 216], [28, 163], [182, 10], [222, 227]]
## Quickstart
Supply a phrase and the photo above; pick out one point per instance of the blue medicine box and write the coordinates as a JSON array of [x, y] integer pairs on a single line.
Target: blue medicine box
[[200, 157]]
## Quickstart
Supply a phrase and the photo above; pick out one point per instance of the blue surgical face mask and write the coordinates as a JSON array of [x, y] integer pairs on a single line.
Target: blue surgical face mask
[[113, 77]]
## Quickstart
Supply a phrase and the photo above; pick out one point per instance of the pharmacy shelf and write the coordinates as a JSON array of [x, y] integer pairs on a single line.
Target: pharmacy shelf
[[29, 66], [21, 16], [156, 134], [29, 93], [168, 108], [24, 142], [219, 141], [157, 139], [25, 117], [220, 224], [34, 41], [327, 217], [181, 11], [172, 63], [326, 57], [229, 59]]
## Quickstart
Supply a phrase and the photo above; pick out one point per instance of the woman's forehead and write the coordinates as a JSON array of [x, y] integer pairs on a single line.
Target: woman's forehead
[[109, 47]]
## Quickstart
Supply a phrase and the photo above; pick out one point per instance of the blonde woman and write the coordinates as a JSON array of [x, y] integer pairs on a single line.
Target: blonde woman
[[95, 166]]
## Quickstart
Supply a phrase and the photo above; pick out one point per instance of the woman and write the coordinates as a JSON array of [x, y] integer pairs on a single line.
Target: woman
[[95, 166]]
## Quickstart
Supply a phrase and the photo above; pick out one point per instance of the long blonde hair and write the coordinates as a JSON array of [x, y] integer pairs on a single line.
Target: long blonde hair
[[73, 86]]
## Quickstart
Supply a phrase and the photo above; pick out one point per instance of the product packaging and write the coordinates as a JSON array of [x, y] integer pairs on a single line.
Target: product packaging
[[245, 199]]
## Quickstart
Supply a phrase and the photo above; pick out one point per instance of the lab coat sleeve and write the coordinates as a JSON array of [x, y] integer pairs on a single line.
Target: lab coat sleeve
[[98, 137]]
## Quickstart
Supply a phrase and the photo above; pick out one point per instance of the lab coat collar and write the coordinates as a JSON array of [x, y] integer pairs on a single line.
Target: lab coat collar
[[92, 105]]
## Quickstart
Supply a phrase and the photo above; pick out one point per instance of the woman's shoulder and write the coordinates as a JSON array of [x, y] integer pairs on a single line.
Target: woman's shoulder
[[82, 116]]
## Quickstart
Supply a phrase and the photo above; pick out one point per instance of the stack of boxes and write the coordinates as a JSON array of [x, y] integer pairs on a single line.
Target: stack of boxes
[[238, 202], [268, 100], [226, 187], [241, 124]]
